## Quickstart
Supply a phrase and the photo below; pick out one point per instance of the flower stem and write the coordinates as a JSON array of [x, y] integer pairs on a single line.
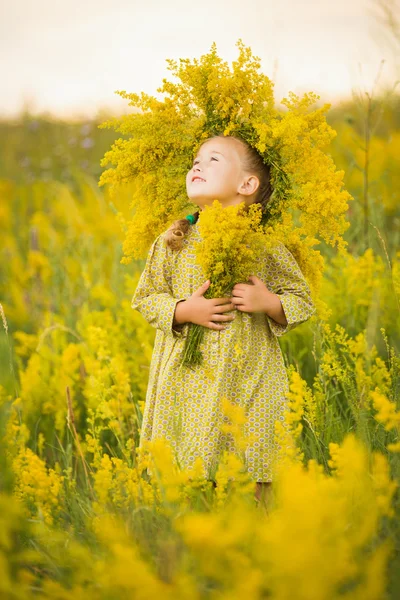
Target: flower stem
[[192, 354]]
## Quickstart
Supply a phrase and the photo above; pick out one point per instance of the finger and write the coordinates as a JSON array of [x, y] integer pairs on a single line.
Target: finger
[[215, 326], [220, 301], [237, 300], [218, 317], [240, 306], [224, 307], [240, 287], [200, 291]]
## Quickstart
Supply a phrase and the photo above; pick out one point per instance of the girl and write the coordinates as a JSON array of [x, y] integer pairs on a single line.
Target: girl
[[183, 405]]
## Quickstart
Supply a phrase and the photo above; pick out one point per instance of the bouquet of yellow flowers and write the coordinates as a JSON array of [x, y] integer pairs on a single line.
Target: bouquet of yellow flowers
[[232, 240]]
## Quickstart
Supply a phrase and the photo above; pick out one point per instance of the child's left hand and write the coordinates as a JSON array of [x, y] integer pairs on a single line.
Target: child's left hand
[[254, 297]]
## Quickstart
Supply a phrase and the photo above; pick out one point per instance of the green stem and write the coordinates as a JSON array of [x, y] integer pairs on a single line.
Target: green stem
[[192, 354]]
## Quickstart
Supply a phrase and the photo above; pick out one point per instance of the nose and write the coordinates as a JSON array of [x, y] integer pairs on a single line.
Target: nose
[[195, 169]]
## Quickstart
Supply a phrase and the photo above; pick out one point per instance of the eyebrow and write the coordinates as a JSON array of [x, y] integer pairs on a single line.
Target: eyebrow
[[213, 151]]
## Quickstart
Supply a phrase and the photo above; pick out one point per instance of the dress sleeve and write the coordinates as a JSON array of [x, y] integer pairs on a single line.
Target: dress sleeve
[[153, 296], [285, 278]]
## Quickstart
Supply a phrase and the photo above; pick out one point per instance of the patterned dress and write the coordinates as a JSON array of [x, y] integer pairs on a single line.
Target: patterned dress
[[243, 363]]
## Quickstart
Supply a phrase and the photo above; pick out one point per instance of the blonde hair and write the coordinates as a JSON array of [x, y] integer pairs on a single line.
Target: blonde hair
[[177, 231], [252, 162]]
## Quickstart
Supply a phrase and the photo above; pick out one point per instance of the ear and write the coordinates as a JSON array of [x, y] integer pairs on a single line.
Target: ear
[[249, 185]]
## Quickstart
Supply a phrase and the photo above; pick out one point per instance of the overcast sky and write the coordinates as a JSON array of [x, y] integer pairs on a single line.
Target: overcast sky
[[69, 57]]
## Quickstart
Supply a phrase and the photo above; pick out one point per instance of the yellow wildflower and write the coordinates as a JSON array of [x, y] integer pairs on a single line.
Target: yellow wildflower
[[386, 411]]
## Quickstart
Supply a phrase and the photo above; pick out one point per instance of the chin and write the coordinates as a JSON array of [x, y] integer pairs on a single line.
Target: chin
[[199, 203], [196, 198]]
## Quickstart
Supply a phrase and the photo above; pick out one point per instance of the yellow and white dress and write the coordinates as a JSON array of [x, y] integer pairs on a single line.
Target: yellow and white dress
[[243, 363]]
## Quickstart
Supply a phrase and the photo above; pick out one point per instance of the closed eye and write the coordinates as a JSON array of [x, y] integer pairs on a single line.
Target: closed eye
[[213, 157]]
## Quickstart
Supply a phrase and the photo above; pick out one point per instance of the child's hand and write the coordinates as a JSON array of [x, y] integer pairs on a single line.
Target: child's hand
[[256, 297], [204, 311]]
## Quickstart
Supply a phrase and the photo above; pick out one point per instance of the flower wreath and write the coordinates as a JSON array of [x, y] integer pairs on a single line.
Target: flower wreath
[[308, 203]]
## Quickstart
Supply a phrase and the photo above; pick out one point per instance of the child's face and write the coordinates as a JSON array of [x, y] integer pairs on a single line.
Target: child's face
[[219, 167]]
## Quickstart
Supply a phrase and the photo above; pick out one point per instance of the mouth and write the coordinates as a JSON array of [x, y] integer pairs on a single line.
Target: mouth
[[197, 178]]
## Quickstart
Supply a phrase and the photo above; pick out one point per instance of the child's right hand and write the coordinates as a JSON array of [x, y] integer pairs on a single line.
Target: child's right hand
[[204, 311]]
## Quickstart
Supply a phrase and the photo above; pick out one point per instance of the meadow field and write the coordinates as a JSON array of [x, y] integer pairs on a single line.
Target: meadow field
[[78, 516]]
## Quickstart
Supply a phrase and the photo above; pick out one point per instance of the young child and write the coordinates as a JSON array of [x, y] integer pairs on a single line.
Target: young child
[[184, 405]]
